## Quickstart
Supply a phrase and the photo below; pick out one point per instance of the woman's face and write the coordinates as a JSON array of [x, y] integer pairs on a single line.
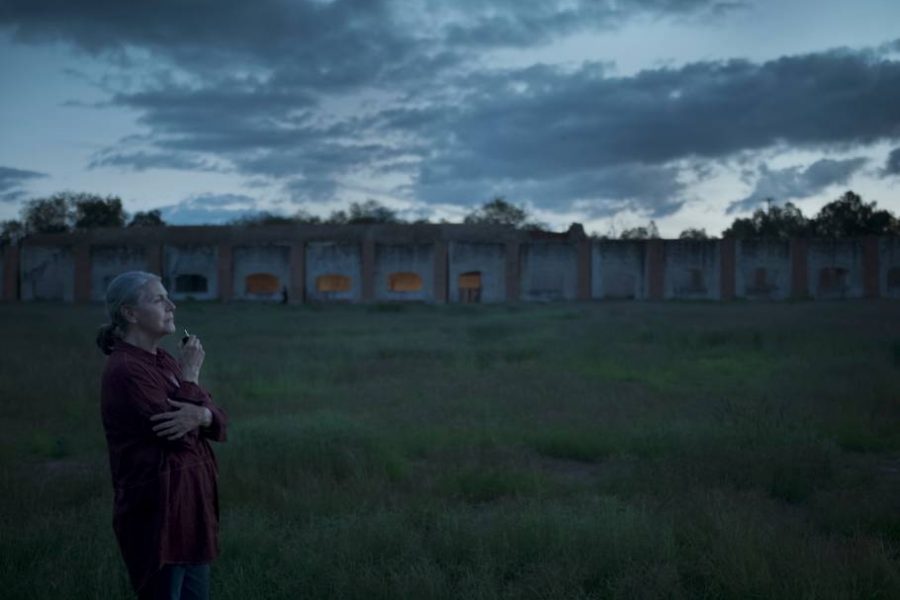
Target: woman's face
[[155, 313]]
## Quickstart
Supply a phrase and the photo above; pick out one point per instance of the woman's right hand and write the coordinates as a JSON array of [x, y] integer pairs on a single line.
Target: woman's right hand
[[192, 356]]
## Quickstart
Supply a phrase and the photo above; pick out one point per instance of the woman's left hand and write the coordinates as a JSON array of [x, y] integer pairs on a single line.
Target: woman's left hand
[[173, 425]]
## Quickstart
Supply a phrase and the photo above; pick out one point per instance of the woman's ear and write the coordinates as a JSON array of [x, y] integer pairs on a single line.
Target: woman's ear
[[127, 313]]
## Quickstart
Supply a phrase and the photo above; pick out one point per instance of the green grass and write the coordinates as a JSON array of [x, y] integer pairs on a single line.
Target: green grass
[[613, 450]]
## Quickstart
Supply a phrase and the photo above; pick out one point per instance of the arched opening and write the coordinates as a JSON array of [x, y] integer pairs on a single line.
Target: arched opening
[[619, 285], [893, 279], [333, 283], [833, 281], [262, 283], [470, 287], [404, 282], [760, 285], [191, 283]]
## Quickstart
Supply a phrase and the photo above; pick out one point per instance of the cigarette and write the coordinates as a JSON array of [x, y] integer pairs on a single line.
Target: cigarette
[[185, 338]]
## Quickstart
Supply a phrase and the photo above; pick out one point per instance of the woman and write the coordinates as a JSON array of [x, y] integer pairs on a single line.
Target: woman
[[158, 423]]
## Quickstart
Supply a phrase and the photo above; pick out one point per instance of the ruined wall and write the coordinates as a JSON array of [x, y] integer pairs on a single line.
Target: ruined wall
[[549, 271], [889, 267], [250, 262], [692, 270], [333, 258], [617, 270], [191, 272], [835, 269], [763, 269], [391, 260], [48, 273], [485, 258], [109, 261]]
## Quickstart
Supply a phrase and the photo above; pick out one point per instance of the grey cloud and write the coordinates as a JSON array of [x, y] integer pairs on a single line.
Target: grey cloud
[[214, 209], [11, 182], [794, 182], [892, 164], [141, 161]]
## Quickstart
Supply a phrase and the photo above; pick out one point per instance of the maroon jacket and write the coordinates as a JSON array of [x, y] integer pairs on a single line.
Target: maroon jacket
[[166, 507]]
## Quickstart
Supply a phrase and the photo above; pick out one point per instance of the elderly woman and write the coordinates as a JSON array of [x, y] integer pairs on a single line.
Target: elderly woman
[[158, 423]]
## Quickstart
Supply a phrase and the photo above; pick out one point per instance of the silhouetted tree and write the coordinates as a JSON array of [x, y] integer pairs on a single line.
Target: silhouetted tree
[[11, 231], [500, 212], [650, 232], [774, 222], [849, 216], [367, 212], [150, 218], [692, 233], [268, 218], [93, 211], [48, 215]]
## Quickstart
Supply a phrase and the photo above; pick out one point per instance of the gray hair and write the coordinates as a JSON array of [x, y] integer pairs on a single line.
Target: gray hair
[[123, 290]]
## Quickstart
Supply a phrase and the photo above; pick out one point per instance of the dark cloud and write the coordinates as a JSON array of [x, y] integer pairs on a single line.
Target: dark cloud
[[213, 209], [892, 164], [795, 182], [11, 182], [141, 161], [304, 93]]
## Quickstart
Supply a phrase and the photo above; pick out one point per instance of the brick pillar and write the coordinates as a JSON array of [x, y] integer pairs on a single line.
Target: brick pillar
[[870, 268], [153, 258], [585, 270], [799, 269], [226, 282], [727, 262], [656, 269], [513, 270], [440, 271], [297, 287], [11, 273], [368, 270], [82, 255]]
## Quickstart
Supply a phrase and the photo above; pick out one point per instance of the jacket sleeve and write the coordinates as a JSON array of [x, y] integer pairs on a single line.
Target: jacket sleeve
[[140, 397], [191, 392]]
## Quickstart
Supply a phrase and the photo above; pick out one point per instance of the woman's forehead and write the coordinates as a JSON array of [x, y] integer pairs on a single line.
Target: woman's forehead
[[154, 288]]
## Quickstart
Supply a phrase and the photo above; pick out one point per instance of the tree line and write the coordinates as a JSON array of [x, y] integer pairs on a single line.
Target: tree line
[[846, 216]]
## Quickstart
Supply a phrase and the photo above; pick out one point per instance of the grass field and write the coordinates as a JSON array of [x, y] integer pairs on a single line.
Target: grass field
[[616, 450]]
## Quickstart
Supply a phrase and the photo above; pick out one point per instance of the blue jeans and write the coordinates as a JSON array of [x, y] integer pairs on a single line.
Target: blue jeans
[[184, 582]]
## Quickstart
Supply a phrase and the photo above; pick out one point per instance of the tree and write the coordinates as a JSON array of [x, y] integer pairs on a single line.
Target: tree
[[849, 216], [368, 212], [11, 231], [498, 212], [150, 218], [692, 233], [650, 232], [93, 211], [268, 218], [774, 222], [47, 215]]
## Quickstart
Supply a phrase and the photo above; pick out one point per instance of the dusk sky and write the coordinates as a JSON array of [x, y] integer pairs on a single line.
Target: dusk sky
[[605, 112]]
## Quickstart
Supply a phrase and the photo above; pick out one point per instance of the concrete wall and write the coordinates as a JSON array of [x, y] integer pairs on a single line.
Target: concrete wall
[[109, 261], [549, 271], [692, 270], [333, 258], [889, 267], [774, 257], [3, 267], [846, 255], [489, 259], [191, 260], [617, 270], [48, 273], [407, 258], [248, 260]]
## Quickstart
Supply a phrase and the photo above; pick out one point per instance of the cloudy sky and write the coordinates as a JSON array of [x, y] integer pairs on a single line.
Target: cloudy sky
[[605, 112]]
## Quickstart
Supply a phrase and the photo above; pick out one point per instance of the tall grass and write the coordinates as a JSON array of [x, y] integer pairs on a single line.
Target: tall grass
[[615, 450]]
